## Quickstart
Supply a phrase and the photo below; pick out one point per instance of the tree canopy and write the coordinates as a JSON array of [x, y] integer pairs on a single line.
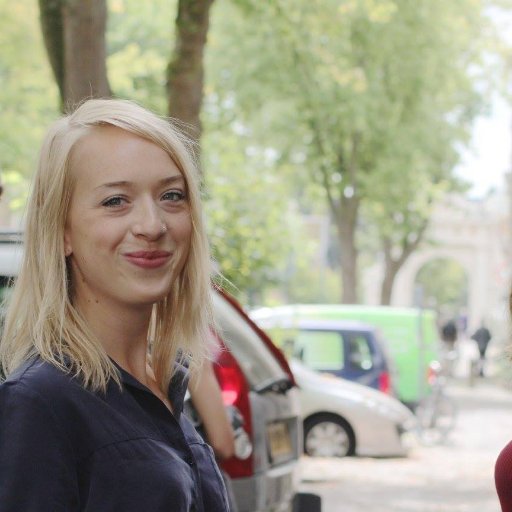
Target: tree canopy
[[370, 98]]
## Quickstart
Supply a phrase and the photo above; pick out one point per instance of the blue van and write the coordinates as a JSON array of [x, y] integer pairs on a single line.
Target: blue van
[[410, 336], [349, 349]]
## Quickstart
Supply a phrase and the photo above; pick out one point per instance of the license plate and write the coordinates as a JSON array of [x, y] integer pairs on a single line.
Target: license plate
[[279, 441]]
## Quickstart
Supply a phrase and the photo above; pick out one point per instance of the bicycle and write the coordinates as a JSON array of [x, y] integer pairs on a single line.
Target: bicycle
[[437, 412]]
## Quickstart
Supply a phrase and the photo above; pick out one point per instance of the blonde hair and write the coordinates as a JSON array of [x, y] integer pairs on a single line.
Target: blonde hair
[[41, 320]]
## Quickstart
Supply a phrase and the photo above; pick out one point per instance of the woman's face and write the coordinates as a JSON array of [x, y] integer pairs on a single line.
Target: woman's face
[[128, 228]]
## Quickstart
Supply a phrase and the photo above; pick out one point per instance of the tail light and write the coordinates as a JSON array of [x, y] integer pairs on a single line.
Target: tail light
[[385, 383], [235, 392], [433, 371]]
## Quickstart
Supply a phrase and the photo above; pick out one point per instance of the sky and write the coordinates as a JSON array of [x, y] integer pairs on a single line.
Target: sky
[[490, 153]]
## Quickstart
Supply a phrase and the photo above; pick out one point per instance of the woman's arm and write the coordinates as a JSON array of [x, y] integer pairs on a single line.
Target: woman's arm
[[37, 465], [207, 399]]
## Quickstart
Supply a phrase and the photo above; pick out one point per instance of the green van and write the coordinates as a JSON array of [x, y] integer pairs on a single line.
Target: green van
[[411, 337]]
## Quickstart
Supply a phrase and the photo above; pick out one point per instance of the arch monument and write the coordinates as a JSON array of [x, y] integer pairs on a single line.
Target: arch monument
[[476, 235]]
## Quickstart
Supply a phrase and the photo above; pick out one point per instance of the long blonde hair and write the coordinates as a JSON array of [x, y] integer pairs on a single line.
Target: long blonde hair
[[41, 320]]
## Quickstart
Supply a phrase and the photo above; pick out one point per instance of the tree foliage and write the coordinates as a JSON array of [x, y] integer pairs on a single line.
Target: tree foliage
[[28, 99], [371, 97], [249, 223], [138, 41], [445, 285]]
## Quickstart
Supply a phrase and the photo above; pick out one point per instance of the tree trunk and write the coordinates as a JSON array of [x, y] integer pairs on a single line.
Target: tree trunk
[[85, 52], [390, 272], [53, 36], [185, 72], [346, 222], [74, 35], [393, 265]]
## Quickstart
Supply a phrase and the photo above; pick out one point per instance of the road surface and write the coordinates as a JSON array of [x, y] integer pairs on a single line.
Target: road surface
[[455, 477]]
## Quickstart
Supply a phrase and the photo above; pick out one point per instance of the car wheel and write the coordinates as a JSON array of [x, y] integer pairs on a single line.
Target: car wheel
[[327, 435]]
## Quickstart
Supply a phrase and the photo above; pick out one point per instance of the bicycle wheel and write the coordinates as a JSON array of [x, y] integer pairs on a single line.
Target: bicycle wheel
[[446, 414], [436, 418]]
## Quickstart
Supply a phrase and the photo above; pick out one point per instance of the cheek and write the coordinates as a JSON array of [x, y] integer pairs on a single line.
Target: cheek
[[92, 242], [183, 230]]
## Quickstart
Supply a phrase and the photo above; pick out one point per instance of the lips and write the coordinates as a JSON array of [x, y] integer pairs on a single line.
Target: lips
[[148, 259]]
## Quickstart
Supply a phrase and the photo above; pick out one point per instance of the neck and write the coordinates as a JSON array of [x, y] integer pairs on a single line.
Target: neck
[[123, 332]]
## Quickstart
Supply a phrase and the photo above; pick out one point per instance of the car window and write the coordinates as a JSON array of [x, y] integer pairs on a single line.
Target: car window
[[5, 288], [360, 356], [258, 363], [320, 350]]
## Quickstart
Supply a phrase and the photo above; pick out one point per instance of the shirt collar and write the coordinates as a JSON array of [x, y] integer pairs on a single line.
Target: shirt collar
[[177, 385]]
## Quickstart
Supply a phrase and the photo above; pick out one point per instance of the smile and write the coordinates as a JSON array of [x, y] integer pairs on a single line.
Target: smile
[[148, 259]]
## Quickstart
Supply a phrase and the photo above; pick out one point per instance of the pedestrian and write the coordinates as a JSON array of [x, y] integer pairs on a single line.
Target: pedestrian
[[482, 337], [449, 334], [111, 308]]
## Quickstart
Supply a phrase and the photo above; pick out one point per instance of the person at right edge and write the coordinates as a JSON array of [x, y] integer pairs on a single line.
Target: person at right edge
[[503, 468]]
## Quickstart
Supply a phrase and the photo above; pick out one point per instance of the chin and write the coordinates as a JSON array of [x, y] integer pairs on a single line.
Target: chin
[[151, 297]]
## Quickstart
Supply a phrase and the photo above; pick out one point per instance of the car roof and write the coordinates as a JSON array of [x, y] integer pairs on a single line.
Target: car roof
[[322, 309], [327, 325], [11, 252]]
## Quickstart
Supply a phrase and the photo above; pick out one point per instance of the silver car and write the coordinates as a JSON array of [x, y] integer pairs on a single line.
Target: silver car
[[344, 418], [256, 383]]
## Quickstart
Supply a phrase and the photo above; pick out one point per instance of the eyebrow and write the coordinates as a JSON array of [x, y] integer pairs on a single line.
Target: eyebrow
[[166, 181]]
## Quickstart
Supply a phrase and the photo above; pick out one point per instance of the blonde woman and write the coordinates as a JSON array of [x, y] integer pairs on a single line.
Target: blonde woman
[[115, 256]]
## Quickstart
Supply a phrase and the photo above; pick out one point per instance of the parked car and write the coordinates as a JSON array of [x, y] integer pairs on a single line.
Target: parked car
[[255, 379], [410, 333], [343, 418], [259, 390], [349, 349]]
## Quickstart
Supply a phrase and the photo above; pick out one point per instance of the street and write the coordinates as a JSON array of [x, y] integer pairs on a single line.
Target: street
[[455, 477]]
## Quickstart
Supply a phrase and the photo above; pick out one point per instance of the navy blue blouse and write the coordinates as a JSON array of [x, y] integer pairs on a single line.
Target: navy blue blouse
[[66, 448]]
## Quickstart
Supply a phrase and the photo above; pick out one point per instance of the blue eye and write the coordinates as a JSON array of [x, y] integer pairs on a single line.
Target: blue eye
[[174, 196], [113, 202]]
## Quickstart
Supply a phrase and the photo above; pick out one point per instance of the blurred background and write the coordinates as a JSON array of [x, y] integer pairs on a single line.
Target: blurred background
[[352, 151]]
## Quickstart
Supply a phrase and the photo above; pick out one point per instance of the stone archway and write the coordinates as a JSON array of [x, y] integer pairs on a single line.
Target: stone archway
[[404, 292], [476, 235]]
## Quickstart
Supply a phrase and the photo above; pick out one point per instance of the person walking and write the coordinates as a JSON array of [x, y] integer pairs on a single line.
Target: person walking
[[482, 337], [449, 334], [109, 315]]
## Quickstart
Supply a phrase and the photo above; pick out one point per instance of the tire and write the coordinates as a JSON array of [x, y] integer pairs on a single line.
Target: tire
[[326, 435]]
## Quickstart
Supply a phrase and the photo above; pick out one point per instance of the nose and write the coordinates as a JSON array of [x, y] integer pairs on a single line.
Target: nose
[[148, 222]]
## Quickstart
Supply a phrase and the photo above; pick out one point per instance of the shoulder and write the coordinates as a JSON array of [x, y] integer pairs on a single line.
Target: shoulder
[[37, 372], [29, 401], [44, 401], [40, 381], [503, 475]]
